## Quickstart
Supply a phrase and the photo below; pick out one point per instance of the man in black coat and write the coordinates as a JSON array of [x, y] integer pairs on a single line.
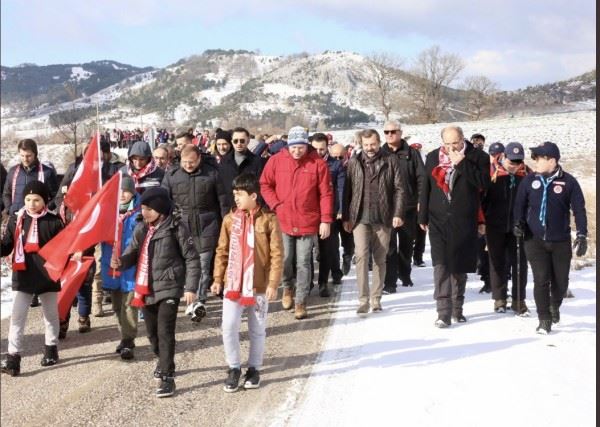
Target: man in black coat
[[197, 191], [455, 176], [399, 257], [235, 162]]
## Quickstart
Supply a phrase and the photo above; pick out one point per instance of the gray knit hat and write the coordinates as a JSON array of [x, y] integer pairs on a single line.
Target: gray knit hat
[[127, 184]]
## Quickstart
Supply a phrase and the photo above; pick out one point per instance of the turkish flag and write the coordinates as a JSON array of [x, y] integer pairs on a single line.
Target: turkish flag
[[88, 177], [96, 222], [70, 282]]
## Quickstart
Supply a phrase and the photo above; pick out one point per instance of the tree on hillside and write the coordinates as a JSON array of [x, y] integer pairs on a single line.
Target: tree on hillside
[[384, 80], [432, 72], [481, 92]]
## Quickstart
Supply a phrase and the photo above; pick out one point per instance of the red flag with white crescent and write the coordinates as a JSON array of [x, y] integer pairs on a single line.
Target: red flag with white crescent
[[71, 280], [88, 177], [95, 223]]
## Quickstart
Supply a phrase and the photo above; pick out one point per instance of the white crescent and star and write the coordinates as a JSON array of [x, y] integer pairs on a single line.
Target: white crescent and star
[[92, 221]]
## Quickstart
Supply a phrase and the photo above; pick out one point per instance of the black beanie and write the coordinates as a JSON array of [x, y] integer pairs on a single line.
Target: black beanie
[[158, 199], [39, 188], [223, 134]]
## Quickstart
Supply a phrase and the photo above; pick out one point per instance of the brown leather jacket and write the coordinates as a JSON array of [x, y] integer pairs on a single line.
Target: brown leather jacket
[[268, 251], [391, 189]]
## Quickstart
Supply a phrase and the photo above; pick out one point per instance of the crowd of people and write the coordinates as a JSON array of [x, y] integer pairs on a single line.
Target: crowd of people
[[236, 216]]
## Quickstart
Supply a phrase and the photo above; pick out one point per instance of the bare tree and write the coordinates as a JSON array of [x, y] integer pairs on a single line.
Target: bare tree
[[432, 72], [481, 92], [384, 80]]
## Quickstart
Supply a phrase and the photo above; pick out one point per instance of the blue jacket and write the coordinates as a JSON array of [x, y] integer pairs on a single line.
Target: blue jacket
[[126, 281], [338, 176], [563, 194]]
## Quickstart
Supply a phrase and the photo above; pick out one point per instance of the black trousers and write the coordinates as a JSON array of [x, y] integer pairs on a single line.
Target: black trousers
[[483, 265], [550, 263], [329, 256], [347, 240], [502, 250], [419, 248], [449, 291], [399, 257], [160, 319]]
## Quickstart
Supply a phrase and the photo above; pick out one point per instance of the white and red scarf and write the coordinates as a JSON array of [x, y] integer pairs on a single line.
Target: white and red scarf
[[145, 171], [442, 173], [32, 242], [116, 253], [240, 268], [16, 175], [142, 285]]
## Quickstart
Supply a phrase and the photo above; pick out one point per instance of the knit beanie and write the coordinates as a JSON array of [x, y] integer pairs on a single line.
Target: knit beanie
[[127, 184], [158, 199], [223, 134], [297, 135], [39, 188]]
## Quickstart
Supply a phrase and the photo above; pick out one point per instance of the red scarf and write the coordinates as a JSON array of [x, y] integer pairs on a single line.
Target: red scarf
[[142, 287], [496, 169], [32, 244], [116, 253], [240, 268], [442, 173], [146, 170], [16, 175]]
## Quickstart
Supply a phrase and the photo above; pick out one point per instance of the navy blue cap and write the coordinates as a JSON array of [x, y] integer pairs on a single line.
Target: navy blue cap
[[546, 149], [496, 148], [514, 151]]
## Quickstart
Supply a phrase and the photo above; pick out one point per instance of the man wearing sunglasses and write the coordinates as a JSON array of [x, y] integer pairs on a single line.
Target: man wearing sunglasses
[[237, 161], [412, 172]]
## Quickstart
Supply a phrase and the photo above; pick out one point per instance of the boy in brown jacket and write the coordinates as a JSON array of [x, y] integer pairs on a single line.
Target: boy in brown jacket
[[248, 263]]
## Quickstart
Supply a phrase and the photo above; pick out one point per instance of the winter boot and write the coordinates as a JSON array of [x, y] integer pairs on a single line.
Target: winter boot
[[50, 355], [127, 349], [300, 312], [252, 378], [35, 301], [232, 383], [11, 365], [166, 387], [442, 322], [287, 300], [84, 324], [458, 317], [520, 308], [323, 291], [555, 313], [545, 327], [500, 306]]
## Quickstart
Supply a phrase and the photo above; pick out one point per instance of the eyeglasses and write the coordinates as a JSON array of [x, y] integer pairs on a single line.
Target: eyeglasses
[[392, 132], [338, 157], [239, 141]]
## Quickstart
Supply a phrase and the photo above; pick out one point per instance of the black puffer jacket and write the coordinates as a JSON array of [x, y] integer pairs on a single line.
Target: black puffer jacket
[[391, 188], [229, 170], [174, 261], [35, 278], [412, 171], [199, 196]]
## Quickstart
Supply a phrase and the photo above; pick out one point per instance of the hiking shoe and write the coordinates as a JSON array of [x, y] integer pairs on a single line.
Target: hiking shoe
[[251, 379], [519, 307], [442, 323], [35, 301], [323, 291], [544, 327], [166, 387], [363, 309], [300, 312], [287, 300], [387, 290], [62, 331], [11, 365], [233, 380], [84, 324], [555, 313], [50, 356], [500, 306]]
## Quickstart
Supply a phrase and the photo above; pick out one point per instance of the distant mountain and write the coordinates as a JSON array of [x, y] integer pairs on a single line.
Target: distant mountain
[[29, 86]]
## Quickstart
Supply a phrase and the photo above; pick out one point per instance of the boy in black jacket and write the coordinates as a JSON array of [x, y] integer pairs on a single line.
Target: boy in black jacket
[[167, 269], [542, 217]]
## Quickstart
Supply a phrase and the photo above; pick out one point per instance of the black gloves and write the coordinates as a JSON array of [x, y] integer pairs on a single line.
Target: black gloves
[[519, 230], [580, 245]]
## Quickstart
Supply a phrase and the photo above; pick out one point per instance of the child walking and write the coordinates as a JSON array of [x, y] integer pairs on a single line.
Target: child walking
[[167, 268], [249, 264], [27, 232], [121, 284]]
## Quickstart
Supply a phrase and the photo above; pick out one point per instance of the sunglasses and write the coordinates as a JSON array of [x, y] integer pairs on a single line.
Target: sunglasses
[[391, 132], [239, 141], [338, 157]]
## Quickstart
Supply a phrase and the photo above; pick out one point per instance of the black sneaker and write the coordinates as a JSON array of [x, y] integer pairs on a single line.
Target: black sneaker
[[419, 263], [50, 355], [35, 301], [251, 379], [545, 327], [11, 365], [157, 374], [166, 387], [555, 313], [407, 282], [127, 353], [459, 318], [232, 383], [387, 290]]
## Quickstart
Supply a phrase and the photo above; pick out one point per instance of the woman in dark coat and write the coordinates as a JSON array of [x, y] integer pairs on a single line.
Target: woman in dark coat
[[456, 175], [27, 232]]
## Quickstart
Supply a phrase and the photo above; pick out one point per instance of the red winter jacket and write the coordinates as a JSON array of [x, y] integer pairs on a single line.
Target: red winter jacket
[[299, 191]]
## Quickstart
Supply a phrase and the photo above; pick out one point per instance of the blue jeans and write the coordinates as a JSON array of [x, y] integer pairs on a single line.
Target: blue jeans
[[84, 296], [298, 250]]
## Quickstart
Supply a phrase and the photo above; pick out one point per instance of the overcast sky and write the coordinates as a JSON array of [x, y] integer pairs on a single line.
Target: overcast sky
[[515, 43]]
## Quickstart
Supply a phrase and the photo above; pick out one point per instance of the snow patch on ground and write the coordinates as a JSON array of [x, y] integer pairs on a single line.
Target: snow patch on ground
[[78, 73]]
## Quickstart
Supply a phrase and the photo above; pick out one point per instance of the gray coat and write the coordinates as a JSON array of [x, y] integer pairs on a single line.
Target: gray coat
[[174, 261]]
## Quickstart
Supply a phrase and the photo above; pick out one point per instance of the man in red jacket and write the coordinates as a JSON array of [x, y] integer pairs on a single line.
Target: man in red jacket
[[296, 185]]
